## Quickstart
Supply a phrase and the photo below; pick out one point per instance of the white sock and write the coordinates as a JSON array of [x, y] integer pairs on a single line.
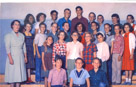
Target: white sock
[[127, 80]]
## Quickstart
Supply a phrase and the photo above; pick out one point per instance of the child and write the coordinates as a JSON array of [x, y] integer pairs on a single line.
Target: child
[[97, 76], [66, 30], [53, 33], [89, 51], [95, 27], [39, 40], [57, 76], [117, 52], [30, 54], [47, 57], [79, 76], [103, 51], [59, 48], [74, 50], [128, 55], [80, 28]]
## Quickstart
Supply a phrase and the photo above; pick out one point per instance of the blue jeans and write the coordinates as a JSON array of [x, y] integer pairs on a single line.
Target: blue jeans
[[56, 86], [38, 66]]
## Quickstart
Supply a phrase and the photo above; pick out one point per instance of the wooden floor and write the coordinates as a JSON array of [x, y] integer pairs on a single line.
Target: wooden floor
[[2, 84]]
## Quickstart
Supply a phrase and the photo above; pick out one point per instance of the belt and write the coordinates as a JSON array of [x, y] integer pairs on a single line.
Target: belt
[[79, 85]]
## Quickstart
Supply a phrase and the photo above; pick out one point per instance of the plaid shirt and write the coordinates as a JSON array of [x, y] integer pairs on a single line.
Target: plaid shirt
[[59, 49], [88, 52]]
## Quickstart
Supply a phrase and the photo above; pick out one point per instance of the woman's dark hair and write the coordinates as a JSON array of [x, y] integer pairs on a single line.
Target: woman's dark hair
[[131, 17], [38, 16], [27, 23], [99, 34], [83, 27], [130, 27], [12, 23], [53, 12], [117, 16], [117, 25], [96, 24], [42, 23], [27, 18], [79, 39], [62, 32], [101, 16]]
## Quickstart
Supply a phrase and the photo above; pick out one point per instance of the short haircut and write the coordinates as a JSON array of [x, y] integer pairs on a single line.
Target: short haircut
[[130, 27], [38, 16], [83, 26], [58, 58], [96, 24], [96, 59], [79, 7], [12, 23], [79, 39], [53, 12], [117, 16], [27, 18], [93, 14], [107, 24], [67, 9], [101, 16], [54, 23], [64, 23], [42, 24], [117, 25], [131, 16], [62, 32], [79, 59]]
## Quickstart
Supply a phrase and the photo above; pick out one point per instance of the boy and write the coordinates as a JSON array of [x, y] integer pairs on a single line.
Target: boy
[[79, 76], [57, 76], [98, 77]]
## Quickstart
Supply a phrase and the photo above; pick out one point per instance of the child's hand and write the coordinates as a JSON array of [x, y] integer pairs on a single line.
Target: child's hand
[[119, 58], [44, 68], [25, 59], [39, 56], [131, 56], [11, 61], [65, 86]]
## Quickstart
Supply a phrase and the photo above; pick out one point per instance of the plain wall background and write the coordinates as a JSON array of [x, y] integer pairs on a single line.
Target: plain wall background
[[11, 11]]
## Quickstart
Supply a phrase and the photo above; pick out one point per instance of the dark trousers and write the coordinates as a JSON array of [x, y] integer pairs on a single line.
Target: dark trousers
[[38, 66], [56, 86]]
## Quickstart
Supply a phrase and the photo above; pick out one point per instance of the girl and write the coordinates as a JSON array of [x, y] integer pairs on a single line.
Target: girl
[[15, 71], [66, 30], [30, 19], [59, 48], [100, 20], [89, 51], [39, 40], [47, 57], [103, 51], [41, 17], [128, 56], [80, 28], [74, 50], [29, 46], [95, 27], [130, 20]]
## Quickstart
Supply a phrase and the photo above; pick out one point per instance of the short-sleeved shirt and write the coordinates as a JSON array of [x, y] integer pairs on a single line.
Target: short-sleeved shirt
[[74, 49], [88, 52], [79, 77], [97, 77], [61, 21], [57, 77], [40, 39], [55, 37]]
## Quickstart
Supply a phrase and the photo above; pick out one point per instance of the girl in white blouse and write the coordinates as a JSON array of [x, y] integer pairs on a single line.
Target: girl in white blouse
[[103, 51]]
